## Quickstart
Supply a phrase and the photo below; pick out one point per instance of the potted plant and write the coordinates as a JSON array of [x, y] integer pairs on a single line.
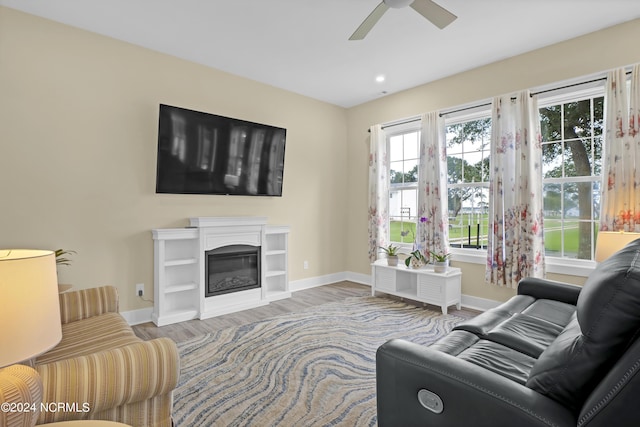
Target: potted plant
[[62, 259], [415, 260], [392, 254], [440, 261], [61, 256]]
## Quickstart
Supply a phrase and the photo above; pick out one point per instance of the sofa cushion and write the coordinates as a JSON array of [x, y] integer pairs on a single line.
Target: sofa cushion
[[89, 336], [522, 323], [495, 357], [556, 312], [483, 323], [502, 360], [455, 342], [527, 334], [607, 320]]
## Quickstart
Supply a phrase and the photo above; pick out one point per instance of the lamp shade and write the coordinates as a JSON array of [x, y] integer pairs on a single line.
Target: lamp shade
[[610, 242], [30, 313]]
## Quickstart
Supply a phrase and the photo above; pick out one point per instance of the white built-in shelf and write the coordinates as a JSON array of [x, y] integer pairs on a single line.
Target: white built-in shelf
[[179, 287], [278, 252], [276, 277], [177, 316], [176, 266], [175, 262], [179, 267], [275, 295], [276, 273]]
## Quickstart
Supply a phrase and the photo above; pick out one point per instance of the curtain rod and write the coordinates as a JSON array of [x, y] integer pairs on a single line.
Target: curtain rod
[[403, 122], [599, 79], [488, 103], [571, 85], [531, 94]]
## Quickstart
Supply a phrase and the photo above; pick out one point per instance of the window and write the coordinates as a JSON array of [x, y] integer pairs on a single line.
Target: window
[[403, 188], [468, 146], [571, 126], [571, 171]]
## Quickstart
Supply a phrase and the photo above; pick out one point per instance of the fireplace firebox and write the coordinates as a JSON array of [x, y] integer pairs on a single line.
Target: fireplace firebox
[[232, 268]]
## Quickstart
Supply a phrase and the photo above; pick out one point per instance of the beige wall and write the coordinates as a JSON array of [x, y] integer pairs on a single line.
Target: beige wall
[[585, 55], [78, 135]]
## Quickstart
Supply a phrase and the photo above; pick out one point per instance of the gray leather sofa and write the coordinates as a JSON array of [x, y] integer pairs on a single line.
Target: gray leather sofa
[[553, 355]]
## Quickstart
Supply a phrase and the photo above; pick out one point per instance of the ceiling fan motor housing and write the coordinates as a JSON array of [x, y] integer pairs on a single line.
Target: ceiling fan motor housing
[[397, 4]]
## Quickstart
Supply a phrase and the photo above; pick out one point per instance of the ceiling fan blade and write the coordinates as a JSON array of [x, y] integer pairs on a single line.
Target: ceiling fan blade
[[438, 15], [369, 22]]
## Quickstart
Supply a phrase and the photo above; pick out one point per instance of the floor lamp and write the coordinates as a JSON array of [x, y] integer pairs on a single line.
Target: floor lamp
[[610, 242]]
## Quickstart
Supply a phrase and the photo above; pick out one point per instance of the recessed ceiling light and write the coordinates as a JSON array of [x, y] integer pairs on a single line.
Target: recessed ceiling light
[[380, 78]]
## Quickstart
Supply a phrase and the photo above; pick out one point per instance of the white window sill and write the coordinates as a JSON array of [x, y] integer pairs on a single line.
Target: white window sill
[[571, 267]]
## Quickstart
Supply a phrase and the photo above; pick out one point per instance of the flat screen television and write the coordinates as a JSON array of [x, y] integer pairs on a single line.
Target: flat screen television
[[202, 153]]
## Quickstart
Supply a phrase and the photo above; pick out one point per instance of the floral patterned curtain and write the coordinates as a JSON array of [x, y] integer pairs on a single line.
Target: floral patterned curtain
[[515, 239], [620, 207], [433, 218], [378, 191]]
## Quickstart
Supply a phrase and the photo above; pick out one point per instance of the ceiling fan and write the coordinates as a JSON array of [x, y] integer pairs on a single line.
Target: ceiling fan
[[436, 14]]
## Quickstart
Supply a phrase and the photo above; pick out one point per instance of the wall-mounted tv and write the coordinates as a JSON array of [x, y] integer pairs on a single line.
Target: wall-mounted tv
[[202, 153]]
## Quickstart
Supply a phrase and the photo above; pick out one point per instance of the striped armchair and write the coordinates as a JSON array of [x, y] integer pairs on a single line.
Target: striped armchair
[[103, 368]]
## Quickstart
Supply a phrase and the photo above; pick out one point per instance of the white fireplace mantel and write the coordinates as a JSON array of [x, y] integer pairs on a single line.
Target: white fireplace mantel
[[179, 260], [228, 221]]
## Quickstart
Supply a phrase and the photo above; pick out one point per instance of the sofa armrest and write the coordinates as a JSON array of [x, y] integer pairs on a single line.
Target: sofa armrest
[[549, 289], [471, 395], [111, 378], [85, 303], [20, 385]]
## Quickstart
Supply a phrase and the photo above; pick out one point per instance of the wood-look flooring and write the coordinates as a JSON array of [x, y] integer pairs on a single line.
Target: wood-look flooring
[[299, 300]]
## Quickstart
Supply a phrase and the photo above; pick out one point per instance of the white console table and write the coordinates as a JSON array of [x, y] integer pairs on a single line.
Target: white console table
[[421, 284]]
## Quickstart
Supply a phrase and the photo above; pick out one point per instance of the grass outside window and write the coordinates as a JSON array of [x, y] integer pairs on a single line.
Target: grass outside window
[[556, 232]]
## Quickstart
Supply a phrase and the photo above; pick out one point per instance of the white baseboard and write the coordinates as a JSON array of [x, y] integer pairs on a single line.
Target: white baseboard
[[363, 279], [313, 282], [477, 303], [135, 317]]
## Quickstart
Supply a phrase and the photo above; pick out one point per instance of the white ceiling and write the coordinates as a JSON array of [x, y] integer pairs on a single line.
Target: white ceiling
[[303, 46]]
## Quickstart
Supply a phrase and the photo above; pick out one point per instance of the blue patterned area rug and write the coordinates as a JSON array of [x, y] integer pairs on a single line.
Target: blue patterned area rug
[[311, 368]]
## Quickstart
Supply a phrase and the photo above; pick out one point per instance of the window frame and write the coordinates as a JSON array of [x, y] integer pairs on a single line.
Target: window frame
[[407, 126], [478, 113], [578, 267]]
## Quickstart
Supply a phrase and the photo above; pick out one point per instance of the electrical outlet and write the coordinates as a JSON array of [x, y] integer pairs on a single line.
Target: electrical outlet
[[305, 265], [140, 289]]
